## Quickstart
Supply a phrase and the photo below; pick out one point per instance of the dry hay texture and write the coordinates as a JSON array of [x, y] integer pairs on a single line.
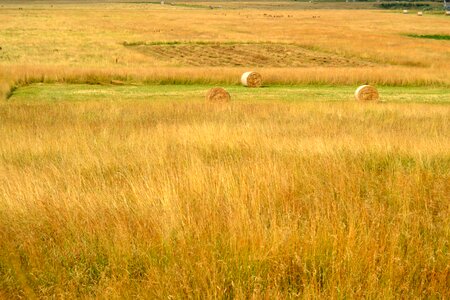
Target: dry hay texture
[[248, 55], [218, 95], [366, 93], [251, 79]]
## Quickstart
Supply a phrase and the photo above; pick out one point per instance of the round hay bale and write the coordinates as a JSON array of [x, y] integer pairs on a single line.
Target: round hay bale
[[447, 12], [366, 93], [218, 95], [251, 79], [419, 13], [405, 11]]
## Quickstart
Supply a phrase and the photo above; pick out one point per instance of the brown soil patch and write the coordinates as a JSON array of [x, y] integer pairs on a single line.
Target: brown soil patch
[[249, 55]]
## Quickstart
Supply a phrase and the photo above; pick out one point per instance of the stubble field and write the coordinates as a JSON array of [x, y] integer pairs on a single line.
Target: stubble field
[[293, 190]]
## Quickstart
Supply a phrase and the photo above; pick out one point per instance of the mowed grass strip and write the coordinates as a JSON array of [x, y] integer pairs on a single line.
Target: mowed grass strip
[[300, 93]]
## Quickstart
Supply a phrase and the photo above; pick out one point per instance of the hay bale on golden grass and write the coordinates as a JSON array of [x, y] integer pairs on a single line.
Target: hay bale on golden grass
[[419, 13], [251, 79], [366, 93], [447, 13], [218, 95], [405, 11]]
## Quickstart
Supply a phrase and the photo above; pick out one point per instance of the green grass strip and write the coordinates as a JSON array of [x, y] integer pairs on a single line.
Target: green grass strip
[[430, 36]]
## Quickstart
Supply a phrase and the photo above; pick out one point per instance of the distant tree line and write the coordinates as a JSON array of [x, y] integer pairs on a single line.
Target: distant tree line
[[399, 5]]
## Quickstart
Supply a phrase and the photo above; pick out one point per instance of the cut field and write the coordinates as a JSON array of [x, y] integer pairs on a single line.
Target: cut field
[[241, 54], [57, 93]]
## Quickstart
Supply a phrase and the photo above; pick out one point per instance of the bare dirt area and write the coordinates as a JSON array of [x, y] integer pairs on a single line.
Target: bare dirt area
[[243, 54]]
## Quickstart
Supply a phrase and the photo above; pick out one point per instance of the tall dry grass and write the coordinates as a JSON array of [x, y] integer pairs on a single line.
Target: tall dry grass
[[183, 200], [173, 200]]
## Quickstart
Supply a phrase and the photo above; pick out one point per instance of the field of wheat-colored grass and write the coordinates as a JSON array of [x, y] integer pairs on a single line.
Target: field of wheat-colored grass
[[118, 180], [178, 199]]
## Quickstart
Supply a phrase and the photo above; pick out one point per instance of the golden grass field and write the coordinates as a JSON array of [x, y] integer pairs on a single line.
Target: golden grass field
[[68, 42], [293, 190]]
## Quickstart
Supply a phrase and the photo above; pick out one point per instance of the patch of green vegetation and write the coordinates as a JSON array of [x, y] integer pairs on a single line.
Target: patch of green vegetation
[[430, 36]]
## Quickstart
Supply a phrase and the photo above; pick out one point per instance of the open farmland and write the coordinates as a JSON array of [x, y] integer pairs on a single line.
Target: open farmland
[[118, 180], [154, 43]]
